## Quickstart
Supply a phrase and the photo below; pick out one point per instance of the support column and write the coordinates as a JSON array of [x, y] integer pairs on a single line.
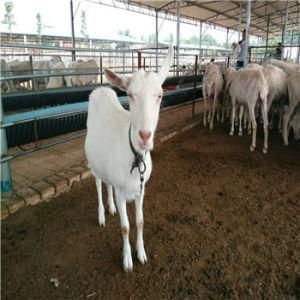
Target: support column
[[248, 21], [178, 34], [267, 38], [284, 28], [6, 180], [240, 22], [200, 42], [72, 29], [156, 39], [298, 56], [227, 36]]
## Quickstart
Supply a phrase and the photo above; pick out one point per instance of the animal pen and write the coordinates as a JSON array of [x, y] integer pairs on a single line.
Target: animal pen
[[220, 222]]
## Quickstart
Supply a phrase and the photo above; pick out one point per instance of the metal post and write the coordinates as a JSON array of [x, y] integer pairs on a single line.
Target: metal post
[[101, 69], [6, 180], [267, 38], [248, 20], [292, 40], [298, 56], [240, 21], [139, 59], [72, 28], [195, 84], [227, 36], [178, 34], [200, 41], [31, 71], [156, 39], [284, 27]]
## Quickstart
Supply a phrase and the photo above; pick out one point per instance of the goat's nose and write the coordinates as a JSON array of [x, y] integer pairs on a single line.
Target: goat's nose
[[145, 135]]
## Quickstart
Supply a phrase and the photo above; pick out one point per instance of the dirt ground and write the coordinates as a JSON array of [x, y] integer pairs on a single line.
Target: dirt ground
[[220, 223]]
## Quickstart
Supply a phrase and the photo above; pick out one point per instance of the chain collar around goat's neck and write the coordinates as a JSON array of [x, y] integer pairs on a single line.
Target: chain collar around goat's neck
[[138, 162]]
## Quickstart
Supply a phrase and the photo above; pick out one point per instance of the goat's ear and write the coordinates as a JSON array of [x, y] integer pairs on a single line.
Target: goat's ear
[[120, 82], [164, 70]]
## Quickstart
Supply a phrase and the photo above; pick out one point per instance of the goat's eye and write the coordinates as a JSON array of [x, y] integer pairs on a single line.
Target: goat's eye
[[159, 97]]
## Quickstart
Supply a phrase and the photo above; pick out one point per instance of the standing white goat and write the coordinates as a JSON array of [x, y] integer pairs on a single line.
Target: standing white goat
[[118, 143], [249, 85], [294, 100], [212, 88]]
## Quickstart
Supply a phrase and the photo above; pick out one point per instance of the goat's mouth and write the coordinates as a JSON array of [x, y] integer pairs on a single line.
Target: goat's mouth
[[146, 146]]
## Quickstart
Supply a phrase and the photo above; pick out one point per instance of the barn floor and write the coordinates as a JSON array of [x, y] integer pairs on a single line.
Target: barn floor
[[220, 223]]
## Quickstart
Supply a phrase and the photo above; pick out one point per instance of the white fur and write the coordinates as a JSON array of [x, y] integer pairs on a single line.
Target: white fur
[[288, 68], [108, 150], [212, 87], [82, 66], [249, 85], [293, 83]]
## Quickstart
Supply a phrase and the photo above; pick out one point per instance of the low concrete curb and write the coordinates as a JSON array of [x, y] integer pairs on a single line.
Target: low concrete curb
[[61, 182]]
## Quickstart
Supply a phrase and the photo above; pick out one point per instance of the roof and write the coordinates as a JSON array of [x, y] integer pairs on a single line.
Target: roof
[[226, 13]]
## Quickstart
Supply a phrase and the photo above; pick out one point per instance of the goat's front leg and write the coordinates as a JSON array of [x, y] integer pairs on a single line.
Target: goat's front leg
[[232, 116], [101, 210], [111, 205], [241, 119], [121, 204], [141, 254]]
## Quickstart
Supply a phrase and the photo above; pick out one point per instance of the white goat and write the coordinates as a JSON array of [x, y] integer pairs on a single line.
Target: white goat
[[288, 68], [6, 85], [118, 143], [277, 89], [293, 84], [57, 81], [212, 88], [228, 76], [254, 66], [80, 66], [295, 124], [249, 85]]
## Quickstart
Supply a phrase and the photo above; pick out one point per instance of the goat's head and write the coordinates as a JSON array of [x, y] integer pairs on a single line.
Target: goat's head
[[144, 90]]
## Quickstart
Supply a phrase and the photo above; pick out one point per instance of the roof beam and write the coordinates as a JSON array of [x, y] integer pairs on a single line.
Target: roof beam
[[224, 14]]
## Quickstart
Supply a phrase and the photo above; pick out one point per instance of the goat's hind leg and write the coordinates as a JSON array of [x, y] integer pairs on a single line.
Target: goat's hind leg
[[101, 209]]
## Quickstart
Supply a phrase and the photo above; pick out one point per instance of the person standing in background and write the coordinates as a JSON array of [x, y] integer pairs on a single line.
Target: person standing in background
[[240, 59]]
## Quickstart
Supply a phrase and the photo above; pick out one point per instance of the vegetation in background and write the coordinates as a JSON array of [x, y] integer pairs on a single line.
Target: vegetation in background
[[83, 29], [9, 16]]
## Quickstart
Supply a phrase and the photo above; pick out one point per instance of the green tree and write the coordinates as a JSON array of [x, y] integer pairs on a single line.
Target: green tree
[[169, 39], [151, 38], [9, 16], [125, 32], [83, 24], [209, 40], [39, 27]]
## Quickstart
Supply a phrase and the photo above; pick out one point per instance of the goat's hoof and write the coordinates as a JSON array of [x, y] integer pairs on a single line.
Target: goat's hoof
[[231, 133], [127, 263], [265, 151], [252, 148], [286, 143], [204, 125], [211, 127], [141, 255], [102, 220], [112, 210], [240, 133]]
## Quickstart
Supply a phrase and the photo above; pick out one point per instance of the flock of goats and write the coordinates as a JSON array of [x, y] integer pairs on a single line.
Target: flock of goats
[[45, 67], [271, 87]]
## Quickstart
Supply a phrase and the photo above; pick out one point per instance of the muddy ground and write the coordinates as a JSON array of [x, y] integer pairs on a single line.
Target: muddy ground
[[220, 223]]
